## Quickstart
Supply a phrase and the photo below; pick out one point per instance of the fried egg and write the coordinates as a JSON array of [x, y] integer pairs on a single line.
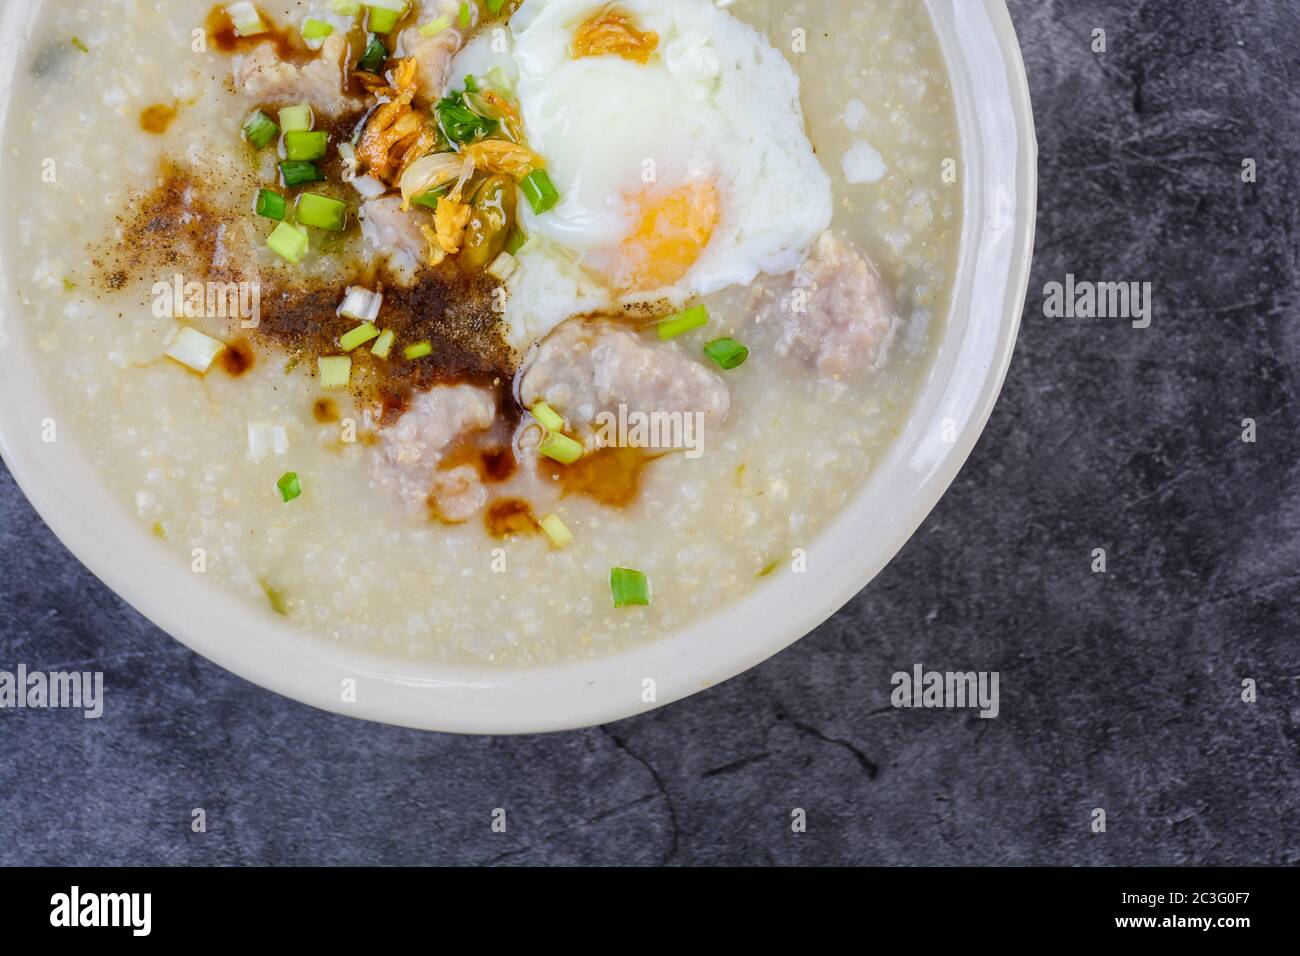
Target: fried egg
[[674, 135]]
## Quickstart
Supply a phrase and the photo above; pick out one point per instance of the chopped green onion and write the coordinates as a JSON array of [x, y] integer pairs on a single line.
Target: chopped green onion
[[247, 21], [430, 199], [435, 26], [265, 439], [313, 29], [358, 337], [459, 123], [302, 146], [471, 84], [322, 212], [361, 304], [347, 8], [297, 119], [289, 485], [384, 344], [417, 351], [382, 21], [384, 14], [372, 61], [728, 353], [547, 417], [270, 204], [260, 129], [295, 173], [560, 448], [494, 6], [498, 79], [560, 536], [193, 349], [683, 322], [516, 242], [335, 370], [503, 267], [464, 15], [278, 604], [541, 192], [629, 588], [288, 242]]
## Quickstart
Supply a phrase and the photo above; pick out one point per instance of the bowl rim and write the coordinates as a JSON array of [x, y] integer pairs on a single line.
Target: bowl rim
[[110, 541]]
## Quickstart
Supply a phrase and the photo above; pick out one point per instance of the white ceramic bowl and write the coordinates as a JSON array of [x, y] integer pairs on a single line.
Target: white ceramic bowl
[[1000, 186]]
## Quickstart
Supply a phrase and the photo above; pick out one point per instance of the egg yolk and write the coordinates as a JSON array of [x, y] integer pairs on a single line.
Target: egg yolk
[[671, 233]]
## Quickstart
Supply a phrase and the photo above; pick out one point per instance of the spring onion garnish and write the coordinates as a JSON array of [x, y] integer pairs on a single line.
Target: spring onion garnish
[[683, 322], [372, 61], [260, 129], [322, 212], [297, 119], [289, 485], [417, 351], [503, 267], [288, 242], [728, 353], [265, 439], [193, 349], [629, 588], [351, 341], [430, 199], [498, 79], [313, 29], [384, 14], [494, 6], [335, 370], [247, 21], [464, 15], [560, 536], [302, 146], [361, 304], [294, 173], [515, 242], [435, 26], [541, 192], [270, 204], [560, 448], [347, 8], [276, 599], [458, 121], [547, 417], [384, 344]]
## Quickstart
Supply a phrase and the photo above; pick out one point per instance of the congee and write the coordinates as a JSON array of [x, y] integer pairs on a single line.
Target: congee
[[484, 331]]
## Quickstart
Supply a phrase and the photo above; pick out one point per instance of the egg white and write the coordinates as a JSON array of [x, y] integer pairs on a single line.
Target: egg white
[[716, 102]]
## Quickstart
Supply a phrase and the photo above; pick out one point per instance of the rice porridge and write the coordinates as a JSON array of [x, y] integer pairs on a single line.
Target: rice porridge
[[493, 332]]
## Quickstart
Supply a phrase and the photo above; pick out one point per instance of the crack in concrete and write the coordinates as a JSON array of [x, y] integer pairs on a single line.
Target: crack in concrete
[[735, 765], [549, 838], [659, 784], [868, 765]]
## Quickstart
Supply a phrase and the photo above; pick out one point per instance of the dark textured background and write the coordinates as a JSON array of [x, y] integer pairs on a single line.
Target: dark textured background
[[1119, 691]]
